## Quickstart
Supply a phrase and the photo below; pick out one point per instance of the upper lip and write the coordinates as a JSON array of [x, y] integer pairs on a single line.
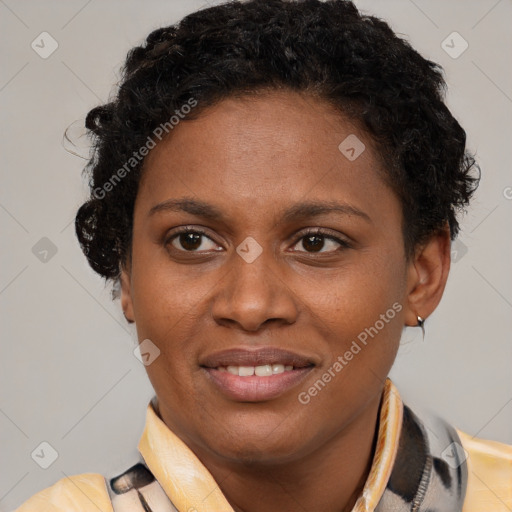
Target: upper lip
[[255, 357]]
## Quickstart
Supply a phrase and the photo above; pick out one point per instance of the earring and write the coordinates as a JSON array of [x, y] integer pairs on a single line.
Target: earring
[[421, 323]]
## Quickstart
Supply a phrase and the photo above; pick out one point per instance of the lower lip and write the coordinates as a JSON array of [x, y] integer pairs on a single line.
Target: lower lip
[[254, 388]]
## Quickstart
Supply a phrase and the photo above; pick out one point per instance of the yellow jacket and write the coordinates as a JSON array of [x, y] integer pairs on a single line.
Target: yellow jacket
[[181, 482]]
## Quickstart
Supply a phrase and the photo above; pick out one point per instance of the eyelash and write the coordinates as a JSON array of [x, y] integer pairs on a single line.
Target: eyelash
[[326, 234], [309, 232], [182, 230]]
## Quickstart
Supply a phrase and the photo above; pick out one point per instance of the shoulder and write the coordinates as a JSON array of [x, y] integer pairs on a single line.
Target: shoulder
[[489, 474], [80, 493]]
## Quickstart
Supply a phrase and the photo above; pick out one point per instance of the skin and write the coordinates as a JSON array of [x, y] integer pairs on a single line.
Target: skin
[[253, 158]]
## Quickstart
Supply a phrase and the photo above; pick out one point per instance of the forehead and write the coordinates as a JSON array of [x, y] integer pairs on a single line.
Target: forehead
[[266, 149], [267, 126]]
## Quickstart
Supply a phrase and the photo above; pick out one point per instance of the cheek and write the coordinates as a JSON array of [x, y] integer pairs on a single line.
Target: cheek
[[355, 296], [165, 296], [170, 309], [358, 315]]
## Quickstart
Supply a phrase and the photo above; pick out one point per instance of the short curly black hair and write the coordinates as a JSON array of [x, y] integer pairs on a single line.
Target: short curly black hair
[[324, 48]]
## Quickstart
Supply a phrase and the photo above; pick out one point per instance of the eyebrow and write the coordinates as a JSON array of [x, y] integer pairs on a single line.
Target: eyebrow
[[301, 210]]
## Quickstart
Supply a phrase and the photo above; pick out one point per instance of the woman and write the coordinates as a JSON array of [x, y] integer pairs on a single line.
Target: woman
[[275, 189]]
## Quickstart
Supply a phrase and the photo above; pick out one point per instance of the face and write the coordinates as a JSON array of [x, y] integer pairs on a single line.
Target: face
[[257, 242]]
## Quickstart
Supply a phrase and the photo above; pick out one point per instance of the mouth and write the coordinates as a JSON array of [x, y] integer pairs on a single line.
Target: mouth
[[264, 370], [255, 375]]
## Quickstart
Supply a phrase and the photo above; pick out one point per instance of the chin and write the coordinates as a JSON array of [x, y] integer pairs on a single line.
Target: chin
[[257, 446], [259, 454]]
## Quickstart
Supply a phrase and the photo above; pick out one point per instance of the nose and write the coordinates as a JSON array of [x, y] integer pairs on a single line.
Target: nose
[[254, 294]]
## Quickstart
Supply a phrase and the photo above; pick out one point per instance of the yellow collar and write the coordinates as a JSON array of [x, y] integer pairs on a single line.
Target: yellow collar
[[190, 486]]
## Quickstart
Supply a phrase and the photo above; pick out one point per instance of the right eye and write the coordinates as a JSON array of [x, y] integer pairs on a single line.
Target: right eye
[[191, 240]]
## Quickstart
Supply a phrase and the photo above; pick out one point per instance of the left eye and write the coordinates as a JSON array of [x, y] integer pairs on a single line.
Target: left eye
[[316, 242]]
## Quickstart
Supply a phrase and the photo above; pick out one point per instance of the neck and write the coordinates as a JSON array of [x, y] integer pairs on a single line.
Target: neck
[[330, 478]]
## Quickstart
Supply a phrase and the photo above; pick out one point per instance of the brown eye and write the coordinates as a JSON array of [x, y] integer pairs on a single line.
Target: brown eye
[[317, 241], [313, 243], [191, 241]]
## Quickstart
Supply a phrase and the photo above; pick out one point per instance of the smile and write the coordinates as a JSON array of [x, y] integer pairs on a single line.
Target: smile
[[256, 374], [265, 370]]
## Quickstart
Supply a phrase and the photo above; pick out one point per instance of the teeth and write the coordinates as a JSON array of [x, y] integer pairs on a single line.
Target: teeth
[[245, 371], [265, 370]]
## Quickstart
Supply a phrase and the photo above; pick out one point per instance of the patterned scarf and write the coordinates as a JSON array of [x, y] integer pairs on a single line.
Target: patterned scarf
[[419, 466]]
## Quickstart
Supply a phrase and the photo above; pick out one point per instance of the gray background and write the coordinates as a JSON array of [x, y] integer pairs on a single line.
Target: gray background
[[68, 373]]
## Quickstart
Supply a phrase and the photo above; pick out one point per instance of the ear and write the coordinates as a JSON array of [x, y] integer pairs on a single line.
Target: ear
[[427, 275], [126, 295]]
